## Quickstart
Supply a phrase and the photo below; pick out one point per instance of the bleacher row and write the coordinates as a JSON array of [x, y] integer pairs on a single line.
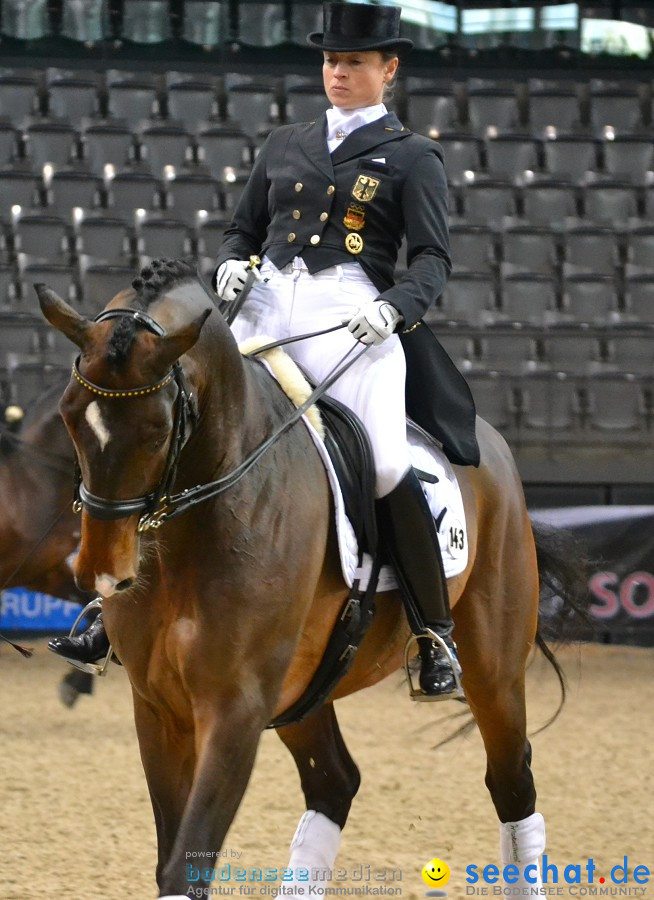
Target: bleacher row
[[552, 296]]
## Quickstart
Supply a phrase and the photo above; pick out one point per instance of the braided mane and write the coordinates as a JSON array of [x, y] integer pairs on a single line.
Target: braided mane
[[153, 280]]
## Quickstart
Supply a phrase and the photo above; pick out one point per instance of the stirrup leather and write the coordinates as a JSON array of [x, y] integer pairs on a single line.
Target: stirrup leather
[[414, 691], [94, 668]]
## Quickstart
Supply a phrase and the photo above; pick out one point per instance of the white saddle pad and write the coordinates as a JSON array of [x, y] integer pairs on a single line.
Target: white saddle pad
[[445, 494]]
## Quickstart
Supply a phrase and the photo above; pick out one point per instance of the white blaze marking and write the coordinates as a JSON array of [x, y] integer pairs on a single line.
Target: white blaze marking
[[99, 429]]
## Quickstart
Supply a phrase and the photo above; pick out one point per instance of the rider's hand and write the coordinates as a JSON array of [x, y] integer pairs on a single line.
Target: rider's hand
[[374, 322], [231, 277]]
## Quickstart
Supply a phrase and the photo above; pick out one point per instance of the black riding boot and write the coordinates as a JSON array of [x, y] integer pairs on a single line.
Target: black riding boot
[[88, 647], [414, 549]]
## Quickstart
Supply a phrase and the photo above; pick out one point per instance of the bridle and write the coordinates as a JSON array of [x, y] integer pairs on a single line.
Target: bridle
[[149, 505], [160, 505]]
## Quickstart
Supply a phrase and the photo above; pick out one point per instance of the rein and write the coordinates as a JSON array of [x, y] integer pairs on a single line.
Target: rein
[[160, 505]]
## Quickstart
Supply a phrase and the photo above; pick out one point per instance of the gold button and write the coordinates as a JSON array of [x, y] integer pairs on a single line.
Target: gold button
[[299, 186], [331, 189], [297, 214], [291, 237], [315, 239], [324, 217]]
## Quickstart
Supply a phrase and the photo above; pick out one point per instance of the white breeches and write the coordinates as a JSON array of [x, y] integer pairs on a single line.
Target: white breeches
[[295, 302]]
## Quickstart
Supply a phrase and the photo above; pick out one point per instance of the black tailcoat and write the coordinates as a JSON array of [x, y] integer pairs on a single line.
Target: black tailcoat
[[382, 183]]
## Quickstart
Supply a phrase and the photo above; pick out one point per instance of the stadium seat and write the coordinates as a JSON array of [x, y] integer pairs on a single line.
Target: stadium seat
[[594, 248], [510, 155], [530, 246], [158, 236], [25, 21], [472, 248], [553, 108], [192, 103], [204, 22], [189, 192], [209, 233], [509, 350], [493, 398], [253, 106], [487, 201], [569, 156], [639, 245], [458, 344], [8, 143], [19, 97], [130, 190], [613, 202], [469, 297], [54, 143], [220, 147], [461, 153], [262, 24], [431, 111], [570, 349], [70, 188], [492, 108], [104, 238], [17, 188], [29, 380], [616, 403], [306, 16], [305, 102], [132, 101], [100, 282], [548, 202], [20, 333], [73, 99], [526, 297], [163, 144], [589, 298], [632, 352], [550, 405], [639, 297], [107, 143], [619, 109], [629, 157], [146, 21], [86, 21], [43, 236], [8, 290]]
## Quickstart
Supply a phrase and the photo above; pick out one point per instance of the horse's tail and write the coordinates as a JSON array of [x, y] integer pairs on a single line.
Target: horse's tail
[[564, 570]]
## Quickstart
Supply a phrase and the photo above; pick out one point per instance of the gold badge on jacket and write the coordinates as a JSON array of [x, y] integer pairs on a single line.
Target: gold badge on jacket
[[355, 217], [354, 242], [365, 188]]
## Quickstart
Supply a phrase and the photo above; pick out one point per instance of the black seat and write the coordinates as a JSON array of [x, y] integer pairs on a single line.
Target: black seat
[[510, 155]]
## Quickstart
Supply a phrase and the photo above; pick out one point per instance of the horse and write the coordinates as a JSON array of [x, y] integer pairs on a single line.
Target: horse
[[38, 528], [221, 615]]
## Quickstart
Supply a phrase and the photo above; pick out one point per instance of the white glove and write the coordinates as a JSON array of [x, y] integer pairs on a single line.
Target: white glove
[[231, 277], [374, 322]]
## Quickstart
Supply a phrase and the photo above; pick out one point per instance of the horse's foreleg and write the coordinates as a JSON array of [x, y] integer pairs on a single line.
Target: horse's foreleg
[[168, 756], [330, 780], [226, 740]]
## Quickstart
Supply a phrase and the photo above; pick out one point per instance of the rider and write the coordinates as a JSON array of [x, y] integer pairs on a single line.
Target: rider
[[327, 205]]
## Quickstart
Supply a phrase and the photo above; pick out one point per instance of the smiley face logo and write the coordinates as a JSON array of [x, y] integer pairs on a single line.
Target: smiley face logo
[[435, 873]]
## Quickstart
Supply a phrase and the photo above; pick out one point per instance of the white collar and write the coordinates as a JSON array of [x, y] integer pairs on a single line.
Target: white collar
[[342, 122]]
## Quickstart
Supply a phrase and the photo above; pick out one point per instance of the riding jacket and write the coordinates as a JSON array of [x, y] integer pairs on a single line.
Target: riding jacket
[[383, 183]]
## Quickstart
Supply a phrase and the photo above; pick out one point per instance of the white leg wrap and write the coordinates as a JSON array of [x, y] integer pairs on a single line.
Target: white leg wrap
[[521, 844], [314, 846]]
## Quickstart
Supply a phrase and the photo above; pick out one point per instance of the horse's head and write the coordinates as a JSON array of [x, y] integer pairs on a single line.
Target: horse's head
[[127, 409]]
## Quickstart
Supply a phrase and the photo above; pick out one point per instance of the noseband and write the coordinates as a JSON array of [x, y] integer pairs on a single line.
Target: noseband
[[150, 505]]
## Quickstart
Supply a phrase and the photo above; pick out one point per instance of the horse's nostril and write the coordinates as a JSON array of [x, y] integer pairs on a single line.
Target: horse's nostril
[[123, 585]]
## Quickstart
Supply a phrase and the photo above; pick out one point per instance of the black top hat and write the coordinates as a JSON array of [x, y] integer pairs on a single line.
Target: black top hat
[[356, 26]]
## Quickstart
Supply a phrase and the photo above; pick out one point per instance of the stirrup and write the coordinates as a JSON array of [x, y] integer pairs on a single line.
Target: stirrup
[[415, 692], [94, 668]]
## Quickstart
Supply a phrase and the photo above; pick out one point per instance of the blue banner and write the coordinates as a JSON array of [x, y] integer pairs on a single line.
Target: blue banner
[[22, 610]]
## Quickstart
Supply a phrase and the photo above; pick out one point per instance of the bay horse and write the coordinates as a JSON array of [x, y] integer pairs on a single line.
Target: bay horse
[[221, 616], [38, 528]]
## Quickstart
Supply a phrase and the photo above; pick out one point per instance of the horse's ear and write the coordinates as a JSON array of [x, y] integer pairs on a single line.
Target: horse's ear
[[174, 344], [62, 316]]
